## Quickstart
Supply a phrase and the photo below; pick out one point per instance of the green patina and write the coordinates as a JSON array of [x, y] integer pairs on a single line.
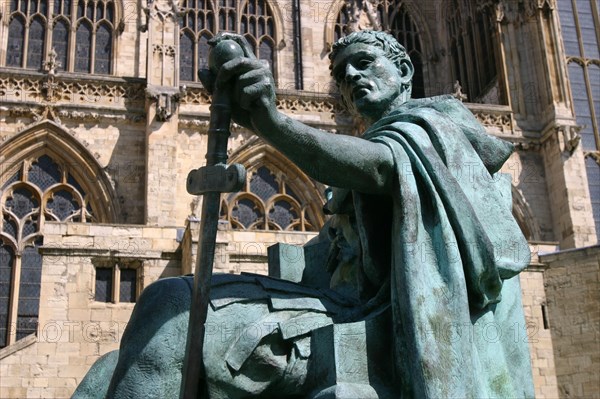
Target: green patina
[[413, 256]]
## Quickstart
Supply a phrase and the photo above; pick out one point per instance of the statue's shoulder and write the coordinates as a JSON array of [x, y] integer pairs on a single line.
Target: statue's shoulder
[[492, 150], [433, 109], [445, 104]]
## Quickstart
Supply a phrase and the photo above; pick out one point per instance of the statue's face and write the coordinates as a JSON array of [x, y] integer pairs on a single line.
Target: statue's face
[[368, 81]]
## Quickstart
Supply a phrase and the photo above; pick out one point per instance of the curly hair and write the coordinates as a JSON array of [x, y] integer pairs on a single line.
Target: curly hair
[[393, 50]]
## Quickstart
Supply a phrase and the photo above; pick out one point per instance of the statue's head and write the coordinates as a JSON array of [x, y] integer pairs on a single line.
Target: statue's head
[[373, 72]]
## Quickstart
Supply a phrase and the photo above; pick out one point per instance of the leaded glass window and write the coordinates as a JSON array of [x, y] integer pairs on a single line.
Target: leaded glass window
[[580, 24], [127, 288], [83, 48], [7, 259], [186, 59], [393, 17], [35, 45], [39, 190], [29, 290], [60, 43], [16, 39], [203, 19], [103, 285], [117, 281], [81, 33], [267, 203]]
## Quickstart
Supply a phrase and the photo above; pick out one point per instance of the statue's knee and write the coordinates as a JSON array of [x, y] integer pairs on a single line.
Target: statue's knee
[[175, 292], [153, 345], [163, 308]]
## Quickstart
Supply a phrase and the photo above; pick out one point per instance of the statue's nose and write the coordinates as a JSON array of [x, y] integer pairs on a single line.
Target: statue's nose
[[352, 74]]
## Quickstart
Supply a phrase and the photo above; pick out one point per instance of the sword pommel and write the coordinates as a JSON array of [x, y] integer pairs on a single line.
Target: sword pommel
[[225, 50]]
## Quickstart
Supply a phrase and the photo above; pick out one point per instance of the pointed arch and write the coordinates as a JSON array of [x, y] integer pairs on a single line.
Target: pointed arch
[[524, 217], [290, 200], [47, 176], [51, 139]]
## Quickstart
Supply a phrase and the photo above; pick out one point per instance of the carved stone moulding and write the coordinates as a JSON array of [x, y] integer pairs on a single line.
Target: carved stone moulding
[[519, 10], [527, 145], [195, 95], [566, 136], [164, 50], [291, 102], [59, 114], [163, 9], [167, 100], [106, 92], [496, 116]]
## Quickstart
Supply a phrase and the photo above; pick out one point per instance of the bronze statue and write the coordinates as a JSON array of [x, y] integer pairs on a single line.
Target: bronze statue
[[414, 292]]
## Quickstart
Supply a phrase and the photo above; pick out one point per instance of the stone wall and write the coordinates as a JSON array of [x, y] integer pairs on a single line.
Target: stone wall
[[573, 295], [237, 251], [74, 329], [537, 332]]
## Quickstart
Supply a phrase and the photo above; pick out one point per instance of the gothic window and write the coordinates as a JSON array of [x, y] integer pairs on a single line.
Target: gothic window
[[203, 19], [16, 40], [83, 47], [81, 33], [39, 190], [580, 23], [60, 42], [393, 17], [472, 31], [268, 202]]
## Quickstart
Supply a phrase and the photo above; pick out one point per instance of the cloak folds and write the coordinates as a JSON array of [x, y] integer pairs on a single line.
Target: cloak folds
[[456, 252]]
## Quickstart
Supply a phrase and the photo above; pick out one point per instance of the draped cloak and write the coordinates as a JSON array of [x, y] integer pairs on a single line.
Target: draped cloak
[[442, 250], [455, 254]]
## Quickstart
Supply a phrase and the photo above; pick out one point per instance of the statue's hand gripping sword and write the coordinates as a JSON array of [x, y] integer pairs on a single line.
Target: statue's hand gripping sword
[[211, 180]]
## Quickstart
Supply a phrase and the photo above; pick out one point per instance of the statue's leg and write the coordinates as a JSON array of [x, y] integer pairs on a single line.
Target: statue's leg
[[273, 367], [95, 383], [153, 347], [153, 344]]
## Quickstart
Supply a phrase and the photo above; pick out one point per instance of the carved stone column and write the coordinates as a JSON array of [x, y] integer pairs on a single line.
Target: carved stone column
[[568, 186], [162, 104]]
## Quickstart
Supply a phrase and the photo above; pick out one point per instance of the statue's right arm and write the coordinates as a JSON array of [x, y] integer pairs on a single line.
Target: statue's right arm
[[336, 160]]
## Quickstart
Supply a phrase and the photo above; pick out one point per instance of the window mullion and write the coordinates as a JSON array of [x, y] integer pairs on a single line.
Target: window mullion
[[578, 29], [13, 309], [478, 56], [72, 38], [93, 48], [196, 55], [586, 77], [596, 16], [266, 208], [116, 283], [26, 42], [590, 98], [49, 31], [140, 281]]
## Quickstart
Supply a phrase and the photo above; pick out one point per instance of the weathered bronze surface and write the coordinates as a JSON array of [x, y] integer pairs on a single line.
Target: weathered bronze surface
[[411, 289]]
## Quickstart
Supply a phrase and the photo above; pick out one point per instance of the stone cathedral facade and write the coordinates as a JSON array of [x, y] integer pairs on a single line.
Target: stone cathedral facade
[[102, 117]]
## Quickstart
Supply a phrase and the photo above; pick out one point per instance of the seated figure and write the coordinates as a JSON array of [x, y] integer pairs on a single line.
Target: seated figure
[[410, 290]]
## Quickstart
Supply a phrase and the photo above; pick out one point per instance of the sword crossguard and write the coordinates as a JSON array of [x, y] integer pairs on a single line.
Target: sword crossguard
[[217, 178]]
